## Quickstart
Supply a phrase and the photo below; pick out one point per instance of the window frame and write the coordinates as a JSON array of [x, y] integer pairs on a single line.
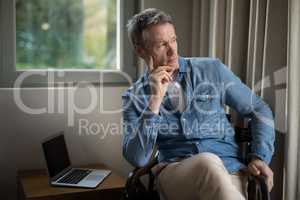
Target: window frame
[[127, 60]]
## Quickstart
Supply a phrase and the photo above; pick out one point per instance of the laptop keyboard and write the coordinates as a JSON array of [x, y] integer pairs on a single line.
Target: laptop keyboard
[[75, 176]]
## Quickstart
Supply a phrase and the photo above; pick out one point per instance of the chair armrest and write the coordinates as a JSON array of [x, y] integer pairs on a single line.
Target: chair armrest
[[140, 171], [257, 188], [134, 188]]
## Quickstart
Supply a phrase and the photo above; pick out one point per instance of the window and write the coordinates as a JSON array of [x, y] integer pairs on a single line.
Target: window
[[66, 34], [85, 39]]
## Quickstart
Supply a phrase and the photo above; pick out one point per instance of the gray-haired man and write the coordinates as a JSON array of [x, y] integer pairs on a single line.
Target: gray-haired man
[[197, 151]]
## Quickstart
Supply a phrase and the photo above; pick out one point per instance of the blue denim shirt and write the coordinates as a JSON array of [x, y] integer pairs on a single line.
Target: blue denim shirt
[[202, 127]]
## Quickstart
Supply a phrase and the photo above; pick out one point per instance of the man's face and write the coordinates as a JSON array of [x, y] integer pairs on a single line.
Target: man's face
[[161, 45]]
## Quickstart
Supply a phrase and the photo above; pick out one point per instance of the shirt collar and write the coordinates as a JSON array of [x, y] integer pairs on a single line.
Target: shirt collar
[[182, 65]]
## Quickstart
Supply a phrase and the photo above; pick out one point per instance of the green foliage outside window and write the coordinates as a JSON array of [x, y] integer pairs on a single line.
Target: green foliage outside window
[[66, 34]]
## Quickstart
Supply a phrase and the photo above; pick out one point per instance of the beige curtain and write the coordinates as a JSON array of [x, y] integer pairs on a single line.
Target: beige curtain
[[249, 36], [292, 162]]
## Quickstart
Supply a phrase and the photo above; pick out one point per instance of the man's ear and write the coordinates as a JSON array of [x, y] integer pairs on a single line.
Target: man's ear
[[141, 52]]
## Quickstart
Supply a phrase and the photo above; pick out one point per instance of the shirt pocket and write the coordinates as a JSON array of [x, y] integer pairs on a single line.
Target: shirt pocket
[[205, 104], [205, 119]]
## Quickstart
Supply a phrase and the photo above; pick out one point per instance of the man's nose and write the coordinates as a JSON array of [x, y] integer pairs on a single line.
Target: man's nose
[[171, 50]]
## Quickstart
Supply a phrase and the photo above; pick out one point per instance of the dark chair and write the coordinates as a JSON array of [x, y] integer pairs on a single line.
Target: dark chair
[[136, 190]]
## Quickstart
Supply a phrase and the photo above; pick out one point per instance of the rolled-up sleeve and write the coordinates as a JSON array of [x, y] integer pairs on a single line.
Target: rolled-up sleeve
[[240, 97], [140, 129]]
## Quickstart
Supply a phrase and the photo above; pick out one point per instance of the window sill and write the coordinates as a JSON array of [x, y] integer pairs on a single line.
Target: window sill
[[66, 78]]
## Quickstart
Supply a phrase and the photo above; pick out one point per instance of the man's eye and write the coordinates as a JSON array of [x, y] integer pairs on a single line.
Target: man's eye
[[161, 45]]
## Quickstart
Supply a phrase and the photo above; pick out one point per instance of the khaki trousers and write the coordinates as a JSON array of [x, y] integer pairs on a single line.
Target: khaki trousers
[[200, 177]]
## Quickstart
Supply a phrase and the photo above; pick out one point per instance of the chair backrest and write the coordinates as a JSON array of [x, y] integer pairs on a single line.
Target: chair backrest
[[243, 138]]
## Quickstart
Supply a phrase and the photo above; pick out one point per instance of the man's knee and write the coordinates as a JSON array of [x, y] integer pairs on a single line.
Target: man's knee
[[196, 167], [207, 156], [207, 161], [202, 175]]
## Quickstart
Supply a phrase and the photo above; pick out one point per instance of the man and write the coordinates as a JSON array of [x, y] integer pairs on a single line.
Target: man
[[178, 107]]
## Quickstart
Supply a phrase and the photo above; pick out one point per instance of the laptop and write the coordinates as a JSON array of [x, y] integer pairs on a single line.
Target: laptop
[[59, 166]]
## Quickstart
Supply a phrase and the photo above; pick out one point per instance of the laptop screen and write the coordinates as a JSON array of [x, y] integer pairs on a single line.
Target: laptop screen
[[56, 155]]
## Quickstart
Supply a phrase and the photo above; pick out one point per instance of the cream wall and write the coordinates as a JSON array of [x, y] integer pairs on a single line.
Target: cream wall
[[21, 133]]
